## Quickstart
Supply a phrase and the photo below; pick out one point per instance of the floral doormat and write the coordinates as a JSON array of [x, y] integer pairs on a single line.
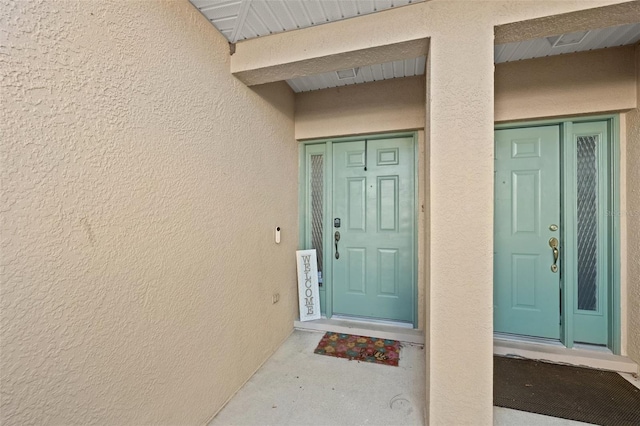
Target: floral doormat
[[360, 348]]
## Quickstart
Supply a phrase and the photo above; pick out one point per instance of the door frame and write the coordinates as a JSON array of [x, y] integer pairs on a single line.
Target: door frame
[[613, 225], [324, 146]]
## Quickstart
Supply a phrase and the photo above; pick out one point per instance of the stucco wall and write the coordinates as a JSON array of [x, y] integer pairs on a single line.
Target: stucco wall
[[581, 83], [632, 213], [141, 183], [381, 106]]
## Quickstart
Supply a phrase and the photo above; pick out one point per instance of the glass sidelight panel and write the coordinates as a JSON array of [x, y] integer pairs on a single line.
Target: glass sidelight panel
[[587, 226], [587, 267], [317, 188]]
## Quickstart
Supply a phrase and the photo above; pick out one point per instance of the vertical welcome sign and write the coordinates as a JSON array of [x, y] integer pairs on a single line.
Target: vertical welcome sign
[[308, 291]]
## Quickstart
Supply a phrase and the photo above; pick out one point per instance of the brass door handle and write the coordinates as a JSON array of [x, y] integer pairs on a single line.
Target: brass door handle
[[553, 243], [336, 238]]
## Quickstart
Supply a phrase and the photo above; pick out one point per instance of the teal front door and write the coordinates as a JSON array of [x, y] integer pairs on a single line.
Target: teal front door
[[526, 218], [553, 253], [373, 228]]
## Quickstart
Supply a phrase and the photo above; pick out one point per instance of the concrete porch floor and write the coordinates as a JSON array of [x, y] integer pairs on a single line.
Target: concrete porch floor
[[297, 387]]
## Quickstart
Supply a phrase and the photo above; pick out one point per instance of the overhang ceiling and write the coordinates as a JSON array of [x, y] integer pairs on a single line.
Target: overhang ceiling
[[240, 20], [244, 19], [366, 74], [568, 43]]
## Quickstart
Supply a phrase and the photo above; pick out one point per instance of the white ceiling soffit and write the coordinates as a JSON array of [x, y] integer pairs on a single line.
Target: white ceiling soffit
[[568, 43], [244, 19], [365, 74]]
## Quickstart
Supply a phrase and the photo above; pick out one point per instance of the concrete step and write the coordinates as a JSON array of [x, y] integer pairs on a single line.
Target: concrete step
[[363, 328]]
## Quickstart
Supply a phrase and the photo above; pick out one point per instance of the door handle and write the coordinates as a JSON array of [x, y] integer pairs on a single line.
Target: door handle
[[553, 243], [336, 238]]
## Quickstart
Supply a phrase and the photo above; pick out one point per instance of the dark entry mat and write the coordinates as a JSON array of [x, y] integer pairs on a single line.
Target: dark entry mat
[[575, 393]]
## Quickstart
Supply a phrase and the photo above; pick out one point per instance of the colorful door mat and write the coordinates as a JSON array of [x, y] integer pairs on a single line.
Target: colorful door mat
[[360, 348]]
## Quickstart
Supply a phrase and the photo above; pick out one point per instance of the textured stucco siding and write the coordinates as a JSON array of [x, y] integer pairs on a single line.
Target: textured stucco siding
[[632, 214], [141, 183], [380, 106], [573, 84]]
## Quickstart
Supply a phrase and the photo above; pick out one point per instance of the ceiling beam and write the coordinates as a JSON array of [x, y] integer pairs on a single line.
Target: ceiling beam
[[405, 33], [365, 40], [350, 59]]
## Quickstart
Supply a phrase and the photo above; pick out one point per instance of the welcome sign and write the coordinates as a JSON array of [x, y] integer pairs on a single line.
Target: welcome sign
[[308, 291]]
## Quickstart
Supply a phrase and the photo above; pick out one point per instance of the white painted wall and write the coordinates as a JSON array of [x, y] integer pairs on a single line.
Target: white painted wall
[[141, 183]]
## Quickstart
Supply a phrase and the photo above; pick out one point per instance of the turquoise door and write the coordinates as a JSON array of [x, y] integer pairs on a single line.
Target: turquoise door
[[527, 216], [373, 252]]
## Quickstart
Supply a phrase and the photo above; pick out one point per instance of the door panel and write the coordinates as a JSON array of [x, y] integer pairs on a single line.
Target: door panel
[[374, 273], [357, 204], [589, 245], [527, 197], [388, 272], [387, 203], [525, 267], [356, 269]]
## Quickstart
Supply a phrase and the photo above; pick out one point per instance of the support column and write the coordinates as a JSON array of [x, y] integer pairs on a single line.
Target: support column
[[460, 111]]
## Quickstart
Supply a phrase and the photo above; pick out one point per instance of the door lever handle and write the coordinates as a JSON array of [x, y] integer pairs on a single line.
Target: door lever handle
[[336, 238], [553, 243]]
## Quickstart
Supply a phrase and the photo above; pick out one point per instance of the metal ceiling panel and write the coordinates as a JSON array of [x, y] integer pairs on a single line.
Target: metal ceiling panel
[[594, 39], [245, 19], [222, 14], [366, 74]]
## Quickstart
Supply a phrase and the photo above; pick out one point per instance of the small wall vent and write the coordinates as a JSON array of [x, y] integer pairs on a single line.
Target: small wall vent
[[567, 39], [348, 73]]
